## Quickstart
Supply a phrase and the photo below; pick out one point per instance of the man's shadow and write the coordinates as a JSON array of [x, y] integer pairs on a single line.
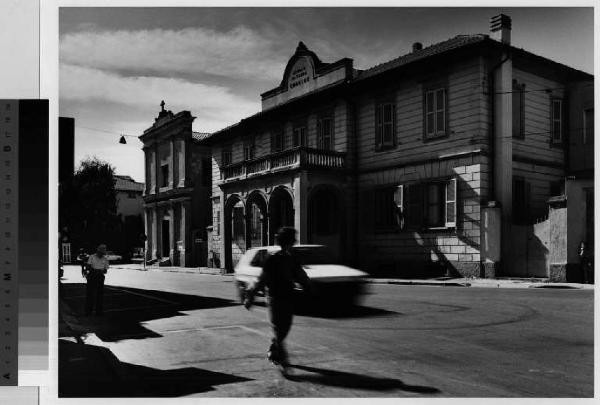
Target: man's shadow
[[344, 379]]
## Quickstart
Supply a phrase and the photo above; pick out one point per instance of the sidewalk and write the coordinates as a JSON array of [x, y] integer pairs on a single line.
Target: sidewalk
[[507, 282]]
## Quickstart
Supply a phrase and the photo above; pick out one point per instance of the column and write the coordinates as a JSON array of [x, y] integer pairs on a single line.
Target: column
[[172, 241], [154, 233], [151, 179], [182, 160], [156, 169], [175, 162], [171, 161], [301, 207], [148, 232], [185, 234]]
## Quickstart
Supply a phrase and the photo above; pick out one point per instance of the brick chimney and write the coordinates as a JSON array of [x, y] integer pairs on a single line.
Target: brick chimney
[[500, 27]]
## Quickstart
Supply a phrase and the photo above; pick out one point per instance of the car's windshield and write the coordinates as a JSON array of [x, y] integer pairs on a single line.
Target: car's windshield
[[314, 255]]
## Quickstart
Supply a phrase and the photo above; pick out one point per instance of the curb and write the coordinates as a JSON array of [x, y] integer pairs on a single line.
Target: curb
[[410, 282]]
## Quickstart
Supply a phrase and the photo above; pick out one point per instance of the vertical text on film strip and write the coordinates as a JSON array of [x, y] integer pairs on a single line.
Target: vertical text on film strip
[[9, 297]]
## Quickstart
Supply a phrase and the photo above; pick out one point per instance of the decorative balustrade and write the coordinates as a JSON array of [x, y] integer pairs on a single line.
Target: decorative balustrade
[[290, 159]]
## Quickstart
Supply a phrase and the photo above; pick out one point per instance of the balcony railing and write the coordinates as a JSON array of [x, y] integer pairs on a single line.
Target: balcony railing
[[300, 157]]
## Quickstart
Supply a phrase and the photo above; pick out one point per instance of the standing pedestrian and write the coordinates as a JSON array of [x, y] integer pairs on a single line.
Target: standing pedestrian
[[586, 262], [279, 273], [97, 266]]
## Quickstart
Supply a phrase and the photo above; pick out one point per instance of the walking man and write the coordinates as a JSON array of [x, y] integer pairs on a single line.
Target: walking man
[[97, 265], [279, 273]]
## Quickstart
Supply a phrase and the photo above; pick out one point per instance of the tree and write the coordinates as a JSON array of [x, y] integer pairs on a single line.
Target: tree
[[88, 207]]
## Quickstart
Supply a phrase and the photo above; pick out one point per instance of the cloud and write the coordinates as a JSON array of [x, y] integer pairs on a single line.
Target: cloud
[[239, 53], [215, 106]]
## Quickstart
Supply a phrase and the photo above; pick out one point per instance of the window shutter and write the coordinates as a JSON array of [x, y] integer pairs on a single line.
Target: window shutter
[[413, 215], [429, 113], [378, 125], [399, 202], [451, 203], [393, 124]]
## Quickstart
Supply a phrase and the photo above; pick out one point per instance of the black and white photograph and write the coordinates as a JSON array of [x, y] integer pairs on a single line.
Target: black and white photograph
[[325, 202]]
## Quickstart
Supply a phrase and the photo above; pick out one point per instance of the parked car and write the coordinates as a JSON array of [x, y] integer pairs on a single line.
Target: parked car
[[113, 257], [330, 281]]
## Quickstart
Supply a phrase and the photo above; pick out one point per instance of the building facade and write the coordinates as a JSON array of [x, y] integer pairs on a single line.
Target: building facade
[[130, 200], [436, 161], [176, 192]]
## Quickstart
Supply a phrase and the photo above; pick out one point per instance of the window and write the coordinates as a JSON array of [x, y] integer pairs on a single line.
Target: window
[[520, 190], [518, 110], [299, 136], [249, 149], [435, 112], [226, 156], [588, 126], [277, 141], [385, 123], [164, 172], [556, 120], [422, 205], [325, 133], [259, 258]]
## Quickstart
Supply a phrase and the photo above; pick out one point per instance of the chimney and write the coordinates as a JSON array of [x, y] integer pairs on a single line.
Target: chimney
[[500, 27], [417, 46]]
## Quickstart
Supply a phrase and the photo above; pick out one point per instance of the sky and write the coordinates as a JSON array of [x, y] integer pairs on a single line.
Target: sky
[[117, 64]]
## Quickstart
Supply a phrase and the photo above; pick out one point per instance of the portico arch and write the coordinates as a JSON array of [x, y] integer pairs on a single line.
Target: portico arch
[[281, 211], [235, 230], [256, 219]]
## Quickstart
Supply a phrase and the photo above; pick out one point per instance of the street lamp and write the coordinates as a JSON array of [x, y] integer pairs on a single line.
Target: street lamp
[[123, 141]]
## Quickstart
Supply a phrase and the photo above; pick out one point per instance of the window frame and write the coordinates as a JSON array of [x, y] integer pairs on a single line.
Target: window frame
[[561, 121], [321, 136], [299, 139], [380, 124], [226, 151], [164, 175], [277, 140], [249, 149], [433, 89], [415, 204]]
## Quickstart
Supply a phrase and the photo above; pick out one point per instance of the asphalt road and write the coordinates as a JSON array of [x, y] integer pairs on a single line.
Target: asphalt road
[[177, 334]]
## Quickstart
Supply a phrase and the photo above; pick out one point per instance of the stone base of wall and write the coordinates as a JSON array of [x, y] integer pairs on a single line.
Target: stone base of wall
[[488, 270], [424, 269], [558, 273], [464, 269]]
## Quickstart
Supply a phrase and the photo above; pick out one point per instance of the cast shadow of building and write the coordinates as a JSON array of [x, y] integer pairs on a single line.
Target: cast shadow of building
[[93, 371], [125, 311]]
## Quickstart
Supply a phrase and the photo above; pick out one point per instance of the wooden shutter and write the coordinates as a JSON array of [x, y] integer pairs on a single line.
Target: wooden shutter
[[413, 216], [451, 200], [399, 203], [378, 125]]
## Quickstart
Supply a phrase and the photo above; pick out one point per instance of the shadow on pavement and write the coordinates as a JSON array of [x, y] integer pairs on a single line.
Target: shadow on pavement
[[125, 310], [93, 371], [344, 379], [351, 311]]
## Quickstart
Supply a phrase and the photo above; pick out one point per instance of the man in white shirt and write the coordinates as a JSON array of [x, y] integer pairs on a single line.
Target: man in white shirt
[[97, 265]]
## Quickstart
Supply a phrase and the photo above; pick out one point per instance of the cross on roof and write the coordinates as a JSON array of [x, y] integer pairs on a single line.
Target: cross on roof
[[162, 105]]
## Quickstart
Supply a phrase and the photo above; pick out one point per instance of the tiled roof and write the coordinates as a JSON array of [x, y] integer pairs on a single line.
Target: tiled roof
[[126, 183], [198, 136], [435, 49]]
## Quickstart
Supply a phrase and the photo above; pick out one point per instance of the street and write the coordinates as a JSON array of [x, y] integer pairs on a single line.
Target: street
[[179, 334]]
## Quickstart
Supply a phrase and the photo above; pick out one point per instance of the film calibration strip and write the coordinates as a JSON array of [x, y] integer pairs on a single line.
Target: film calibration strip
[[9, 214]]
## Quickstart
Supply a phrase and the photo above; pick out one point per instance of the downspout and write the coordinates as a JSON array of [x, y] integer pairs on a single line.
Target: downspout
[[491, 121]]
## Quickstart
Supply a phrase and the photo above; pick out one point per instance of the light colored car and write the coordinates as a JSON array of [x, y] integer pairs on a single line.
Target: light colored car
[[113, 257], [329, 281]]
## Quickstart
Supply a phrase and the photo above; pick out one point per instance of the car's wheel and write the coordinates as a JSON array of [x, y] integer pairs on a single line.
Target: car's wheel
[[241, 290]]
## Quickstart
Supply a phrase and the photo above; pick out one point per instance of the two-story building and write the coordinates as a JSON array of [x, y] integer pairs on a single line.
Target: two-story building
[[177, 190], [432, 160]]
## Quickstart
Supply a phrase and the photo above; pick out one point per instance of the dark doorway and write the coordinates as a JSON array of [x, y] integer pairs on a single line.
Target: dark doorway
[[281, 212], [166, 242], [325, 213]]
